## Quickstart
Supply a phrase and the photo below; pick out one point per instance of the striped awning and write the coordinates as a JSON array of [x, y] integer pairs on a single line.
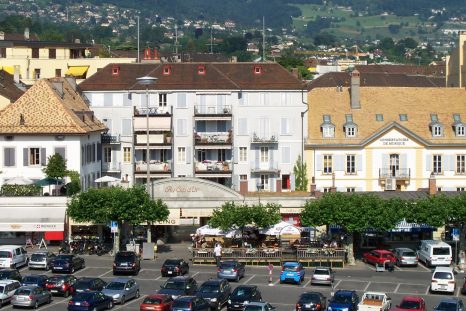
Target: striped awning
[[77, 71]]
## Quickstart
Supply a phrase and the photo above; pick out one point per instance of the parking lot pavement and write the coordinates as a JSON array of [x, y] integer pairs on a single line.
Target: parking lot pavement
[[402, 282]]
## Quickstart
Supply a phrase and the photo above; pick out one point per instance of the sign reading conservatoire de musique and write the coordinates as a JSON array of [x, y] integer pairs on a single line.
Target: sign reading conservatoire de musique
[[394, 139]]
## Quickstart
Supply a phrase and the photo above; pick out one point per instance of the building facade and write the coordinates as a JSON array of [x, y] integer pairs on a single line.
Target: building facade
[[456, 63], [224, 122]]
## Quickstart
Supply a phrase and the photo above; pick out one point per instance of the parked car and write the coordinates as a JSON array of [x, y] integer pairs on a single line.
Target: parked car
[[463, 288], [34, 280], [41, 260], [259, 306], [292, 271], [450, 304], [405, 257], [122, 289], [13, 256], [7, 290], [435, 253], [31, 296], [411, 303], [61, 285], [179, 286], [323, 275], [216, 291], [157, 302], [344, 300], [10, 274], [126, 262], [67, 263], [242, 295], [378, 256], [90, 301], [89, 284], [190, 303], [174, 267], [375, 301], [231, 270], [443, 280], [311, 301]]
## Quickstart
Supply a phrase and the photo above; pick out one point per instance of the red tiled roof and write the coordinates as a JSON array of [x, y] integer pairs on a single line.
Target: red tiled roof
[[8, 89]]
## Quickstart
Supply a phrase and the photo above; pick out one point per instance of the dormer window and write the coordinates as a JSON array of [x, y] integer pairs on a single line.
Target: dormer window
[[458, 126], [437, 130], [201, 70], [257, 70], [379, 117], [460, 130], [433, 118], [115, 70], [350, 127], [328, 129], [403, 117], [167, 70]]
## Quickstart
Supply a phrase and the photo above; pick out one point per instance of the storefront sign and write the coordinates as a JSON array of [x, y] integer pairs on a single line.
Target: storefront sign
[[398, 141], [28, 227], [168, 222]]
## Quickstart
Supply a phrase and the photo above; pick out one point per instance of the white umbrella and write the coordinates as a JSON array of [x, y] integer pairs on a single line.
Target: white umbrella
[[19, 181], [208, 230], [106, 178], [282, 227]]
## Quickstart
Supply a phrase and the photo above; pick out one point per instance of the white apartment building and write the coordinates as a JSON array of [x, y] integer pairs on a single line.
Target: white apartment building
[[224, 122], [378, 131]]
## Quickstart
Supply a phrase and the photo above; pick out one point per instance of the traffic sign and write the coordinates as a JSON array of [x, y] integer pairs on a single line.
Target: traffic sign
[[455, 234], [114, 226]]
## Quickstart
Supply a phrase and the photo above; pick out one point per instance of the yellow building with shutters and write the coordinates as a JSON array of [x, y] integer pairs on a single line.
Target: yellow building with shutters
[[28, 59], [382, 132]]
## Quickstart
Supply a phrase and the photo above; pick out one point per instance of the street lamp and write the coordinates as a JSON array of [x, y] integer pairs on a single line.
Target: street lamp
[[146, 80], [259, 187]]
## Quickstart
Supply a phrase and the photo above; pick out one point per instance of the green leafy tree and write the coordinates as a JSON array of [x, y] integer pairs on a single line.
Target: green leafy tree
[[56, 167], [128, 206], [74, 186], [353, 213], [301, 180]]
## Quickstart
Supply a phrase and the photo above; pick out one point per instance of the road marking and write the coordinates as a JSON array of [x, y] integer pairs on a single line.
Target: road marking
[[246, 282], [129, 303], [276, 282], [398, 268], [195, 274], [338, 283], [370, 267], [53, 304], [79, 271], [105, 273], [158, 278], [307, 283], [397, 287], [458, 291], [427, 290], [141, 270], [367, 286], [424, 267]]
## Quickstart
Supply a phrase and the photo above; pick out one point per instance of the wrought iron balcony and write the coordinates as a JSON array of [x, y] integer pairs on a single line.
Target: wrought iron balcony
[[264, 139], [110, 139], [401, 173]]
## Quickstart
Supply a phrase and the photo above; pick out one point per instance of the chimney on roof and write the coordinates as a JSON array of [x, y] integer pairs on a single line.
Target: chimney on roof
[[16, 73], [58, 85], [156, 54], [355, 85], [432, 185], [72, 81], [26, 33], [2, 35], [21, 119], [77, 41]]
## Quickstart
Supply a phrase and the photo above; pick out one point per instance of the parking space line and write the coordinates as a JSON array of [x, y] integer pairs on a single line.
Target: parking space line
[[246, 282], [338, 283], [370, 267], [307, 283], [458, 291], [141, 270], [54, 304], [424, 267], [397, 268], [158, 278], [105, 273], [367, 286], [276, 282], [79, 271], [397, 287], [427, 290], [195, 274]]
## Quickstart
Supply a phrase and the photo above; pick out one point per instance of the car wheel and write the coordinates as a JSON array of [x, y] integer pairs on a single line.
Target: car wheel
[[83, 265], [123, 300], [137, 294], [47, 268], [36, 305], [49, 300], [237, 278], [110, 305], [66, 294]]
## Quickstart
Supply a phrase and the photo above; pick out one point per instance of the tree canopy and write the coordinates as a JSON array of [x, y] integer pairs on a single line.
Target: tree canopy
[[56, 167]]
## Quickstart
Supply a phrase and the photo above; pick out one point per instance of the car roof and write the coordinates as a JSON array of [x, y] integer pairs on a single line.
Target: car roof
[[36, 275], [179, 278], [121, 280], [246, 286], [450, 300], [213, 281], [230, 260], [291, 263], [185, 298], [87, 279], [345, 291], [158, 296], [8, 270], [6, 282], [323, 268], [382, 251], [126, 253], [9, 246], [404, 249], [257, 303], [31, 287]]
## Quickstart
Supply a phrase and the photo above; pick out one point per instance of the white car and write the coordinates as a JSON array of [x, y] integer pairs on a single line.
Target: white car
[[7, 290], [443, 280]]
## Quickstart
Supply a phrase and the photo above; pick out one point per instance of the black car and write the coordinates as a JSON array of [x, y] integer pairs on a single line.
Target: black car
[[190, 303], [61, 285], [127, 262], [216, 291], [311, 301], [67, 263], [34, 280], [179, 286], [89, 284], [241, 294], [10, 274], [174, 267]]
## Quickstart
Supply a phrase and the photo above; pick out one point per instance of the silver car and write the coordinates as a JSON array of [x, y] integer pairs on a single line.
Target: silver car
[[7, 290], [231, 270], [31, 296], [41, 260], [405, 257], [323, 276], [121, 290]]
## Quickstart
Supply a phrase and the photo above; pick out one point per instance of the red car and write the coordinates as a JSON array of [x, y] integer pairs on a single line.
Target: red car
[[378, 256], [61, 285], [158, 302], [411, 303]]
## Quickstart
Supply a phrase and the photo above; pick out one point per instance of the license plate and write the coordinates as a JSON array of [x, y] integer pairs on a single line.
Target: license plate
[[77, 303], [21, 298], [227, 272], [307, 306], [58, 268], [124, 264], [54, 291], [170, 272], [289, 274], [236, 306]]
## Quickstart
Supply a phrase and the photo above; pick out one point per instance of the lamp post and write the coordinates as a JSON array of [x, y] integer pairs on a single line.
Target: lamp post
[[146, 80], [259, 187]]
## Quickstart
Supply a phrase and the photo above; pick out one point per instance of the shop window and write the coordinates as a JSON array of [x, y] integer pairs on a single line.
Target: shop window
[[286, 182]]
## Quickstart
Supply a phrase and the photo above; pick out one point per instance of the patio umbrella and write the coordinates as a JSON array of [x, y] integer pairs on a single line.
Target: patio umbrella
[[106, 178], [47, 181], [19, 181]]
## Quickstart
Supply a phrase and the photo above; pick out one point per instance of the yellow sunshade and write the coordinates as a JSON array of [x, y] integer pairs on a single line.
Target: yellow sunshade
[[77, 71], [9, 69]]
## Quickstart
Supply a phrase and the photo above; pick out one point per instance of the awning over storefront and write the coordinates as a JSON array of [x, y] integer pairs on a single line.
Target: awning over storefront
[[9, 69], [77, 71], [403, 226], [32, 218]]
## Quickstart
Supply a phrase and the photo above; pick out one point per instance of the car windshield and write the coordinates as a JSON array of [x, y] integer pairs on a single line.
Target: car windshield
[[37, 257], [30, 279], [409, 254], [174, 285], [443, 275], [309, 298], [209, 288], [4, 274], [253, 308], [4, 254], [124, 257], [340, 298], [22, 291], [321, 271], [115, 286], [290, 268], [181, 304], [56, 279], [409, 304], [83, 296], [441, 251], [152, 301], [227, 264], [446, 306], [170, 262], [82, 285], [241, 292], [64, 257], [1, 288]]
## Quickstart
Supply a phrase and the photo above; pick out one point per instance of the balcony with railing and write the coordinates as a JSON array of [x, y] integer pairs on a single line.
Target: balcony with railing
[[265, 167], [160, 119], [156, 139], [111, 166], [211, 166], [400, 173], [222, 111], [258, 138], [213, 138], [110, 139], [155, 166]]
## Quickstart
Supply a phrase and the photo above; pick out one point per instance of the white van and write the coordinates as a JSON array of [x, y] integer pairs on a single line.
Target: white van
[[13, 256], [443, 280], [435, 253]]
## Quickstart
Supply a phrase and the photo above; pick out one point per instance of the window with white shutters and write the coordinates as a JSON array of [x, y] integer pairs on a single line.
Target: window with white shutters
[[182, 127]]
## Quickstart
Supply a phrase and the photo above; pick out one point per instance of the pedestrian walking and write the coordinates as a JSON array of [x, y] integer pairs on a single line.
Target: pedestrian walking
[[270, 269], [218, 253]]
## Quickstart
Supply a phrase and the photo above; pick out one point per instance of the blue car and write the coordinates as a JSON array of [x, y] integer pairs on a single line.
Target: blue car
[[34, 280], [344, 300], [292, 271], [92, 300]]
